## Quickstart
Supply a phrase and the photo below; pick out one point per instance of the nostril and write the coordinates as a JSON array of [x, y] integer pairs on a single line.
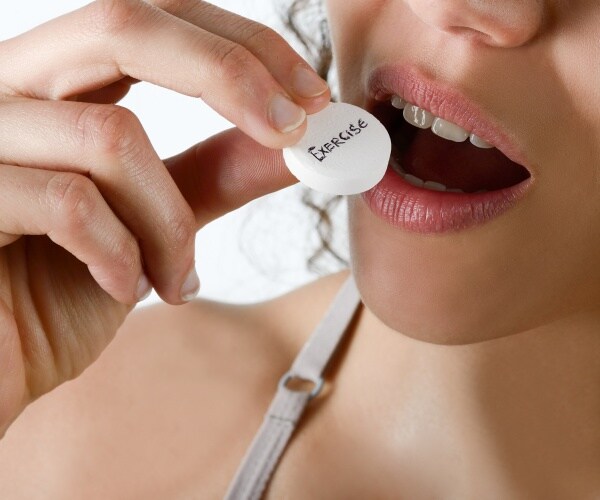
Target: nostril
[[471, 34], [508, 24], [494, 35]]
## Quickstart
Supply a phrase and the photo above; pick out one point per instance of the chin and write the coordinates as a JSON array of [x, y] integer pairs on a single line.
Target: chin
[[452, 290], [429, 316], [435, 328]]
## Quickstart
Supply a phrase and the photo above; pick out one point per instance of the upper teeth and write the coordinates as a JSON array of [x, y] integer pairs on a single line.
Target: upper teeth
[[418, 117], [424, 119]]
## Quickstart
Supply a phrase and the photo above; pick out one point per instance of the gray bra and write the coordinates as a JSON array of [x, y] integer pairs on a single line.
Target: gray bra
[[287, 406]]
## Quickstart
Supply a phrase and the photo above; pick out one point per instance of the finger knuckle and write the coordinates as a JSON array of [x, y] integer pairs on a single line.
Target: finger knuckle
[[107, 129], [234, 62], [182, 231], [261, 36], [126, 254], [111, 16], [73, 197], [169, 5]]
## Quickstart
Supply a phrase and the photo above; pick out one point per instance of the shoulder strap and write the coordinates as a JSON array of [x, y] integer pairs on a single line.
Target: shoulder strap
[[288, 405]]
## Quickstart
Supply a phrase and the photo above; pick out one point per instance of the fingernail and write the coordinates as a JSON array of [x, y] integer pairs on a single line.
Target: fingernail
[[191, 285], [284, 114], [307, 83], [144, 288]]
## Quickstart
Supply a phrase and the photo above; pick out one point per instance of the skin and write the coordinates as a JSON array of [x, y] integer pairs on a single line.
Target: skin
[[460, 288], [504, 317], [490, 396], [89, 209]]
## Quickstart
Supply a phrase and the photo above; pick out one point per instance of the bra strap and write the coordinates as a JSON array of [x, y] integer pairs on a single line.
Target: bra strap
[[288, 405]]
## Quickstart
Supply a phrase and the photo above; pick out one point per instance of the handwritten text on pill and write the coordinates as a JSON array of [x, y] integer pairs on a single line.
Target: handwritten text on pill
[[336, 142]]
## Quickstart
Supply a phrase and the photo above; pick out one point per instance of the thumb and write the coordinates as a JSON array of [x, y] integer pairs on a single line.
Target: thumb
[[225, 172]]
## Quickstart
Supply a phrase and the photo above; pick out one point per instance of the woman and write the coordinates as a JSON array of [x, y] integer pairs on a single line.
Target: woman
[[471, 367]]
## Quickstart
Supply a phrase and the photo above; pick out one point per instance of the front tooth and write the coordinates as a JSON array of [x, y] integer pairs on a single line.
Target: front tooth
[[436, 186], [415, 181], [398, 102], [417, 116], [449, 130], [479, 142]]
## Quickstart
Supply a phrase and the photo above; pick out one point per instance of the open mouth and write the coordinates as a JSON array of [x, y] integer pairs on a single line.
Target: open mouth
[[436, 154]]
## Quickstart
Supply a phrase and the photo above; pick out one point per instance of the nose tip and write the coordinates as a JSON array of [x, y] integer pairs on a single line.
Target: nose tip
[[509, 23]]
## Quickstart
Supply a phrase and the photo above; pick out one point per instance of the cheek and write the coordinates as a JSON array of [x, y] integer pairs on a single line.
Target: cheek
[[504, 277], [352, 24]]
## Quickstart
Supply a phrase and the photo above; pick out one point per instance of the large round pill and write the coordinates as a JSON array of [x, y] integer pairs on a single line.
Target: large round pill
[[345, 150]]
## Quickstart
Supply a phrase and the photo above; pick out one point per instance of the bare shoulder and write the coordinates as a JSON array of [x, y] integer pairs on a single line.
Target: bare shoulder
[[180, 391], [281, 321], [258, 337]]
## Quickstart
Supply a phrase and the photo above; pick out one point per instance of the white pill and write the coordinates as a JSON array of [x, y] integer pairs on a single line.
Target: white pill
[[345, 150]]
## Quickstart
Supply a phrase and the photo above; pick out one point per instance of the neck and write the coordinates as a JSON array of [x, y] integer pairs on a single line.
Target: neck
[[513, 415]]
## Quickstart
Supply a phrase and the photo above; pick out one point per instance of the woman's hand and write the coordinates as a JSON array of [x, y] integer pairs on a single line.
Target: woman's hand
[[90, 217]]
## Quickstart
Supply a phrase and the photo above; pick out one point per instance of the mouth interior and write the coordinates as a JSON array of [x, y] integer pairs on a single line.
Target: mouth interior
[[455, 164]]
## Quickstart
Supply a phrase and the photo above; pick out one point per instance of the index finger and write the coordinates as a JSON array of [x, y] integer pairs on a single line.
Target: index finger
[[109, 39], [288, 68]]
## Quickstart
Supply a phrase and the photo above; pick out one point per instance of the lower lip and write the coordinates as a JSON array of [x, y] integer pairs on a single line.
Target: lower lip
[[423, 211]]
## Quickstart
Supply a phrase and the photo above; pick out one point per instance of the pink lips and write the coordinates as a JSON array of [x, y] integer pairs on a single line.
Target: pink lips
[[425, 211], [422, 210]]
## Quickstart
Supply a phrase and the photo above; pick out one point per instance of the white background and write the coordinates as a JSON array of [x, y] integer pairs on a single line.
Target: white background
[[276, 231]]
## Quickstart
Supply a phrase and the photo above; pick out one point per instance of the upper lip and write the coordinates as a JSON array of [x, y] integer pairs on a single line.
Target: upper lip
[[440, 99]]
